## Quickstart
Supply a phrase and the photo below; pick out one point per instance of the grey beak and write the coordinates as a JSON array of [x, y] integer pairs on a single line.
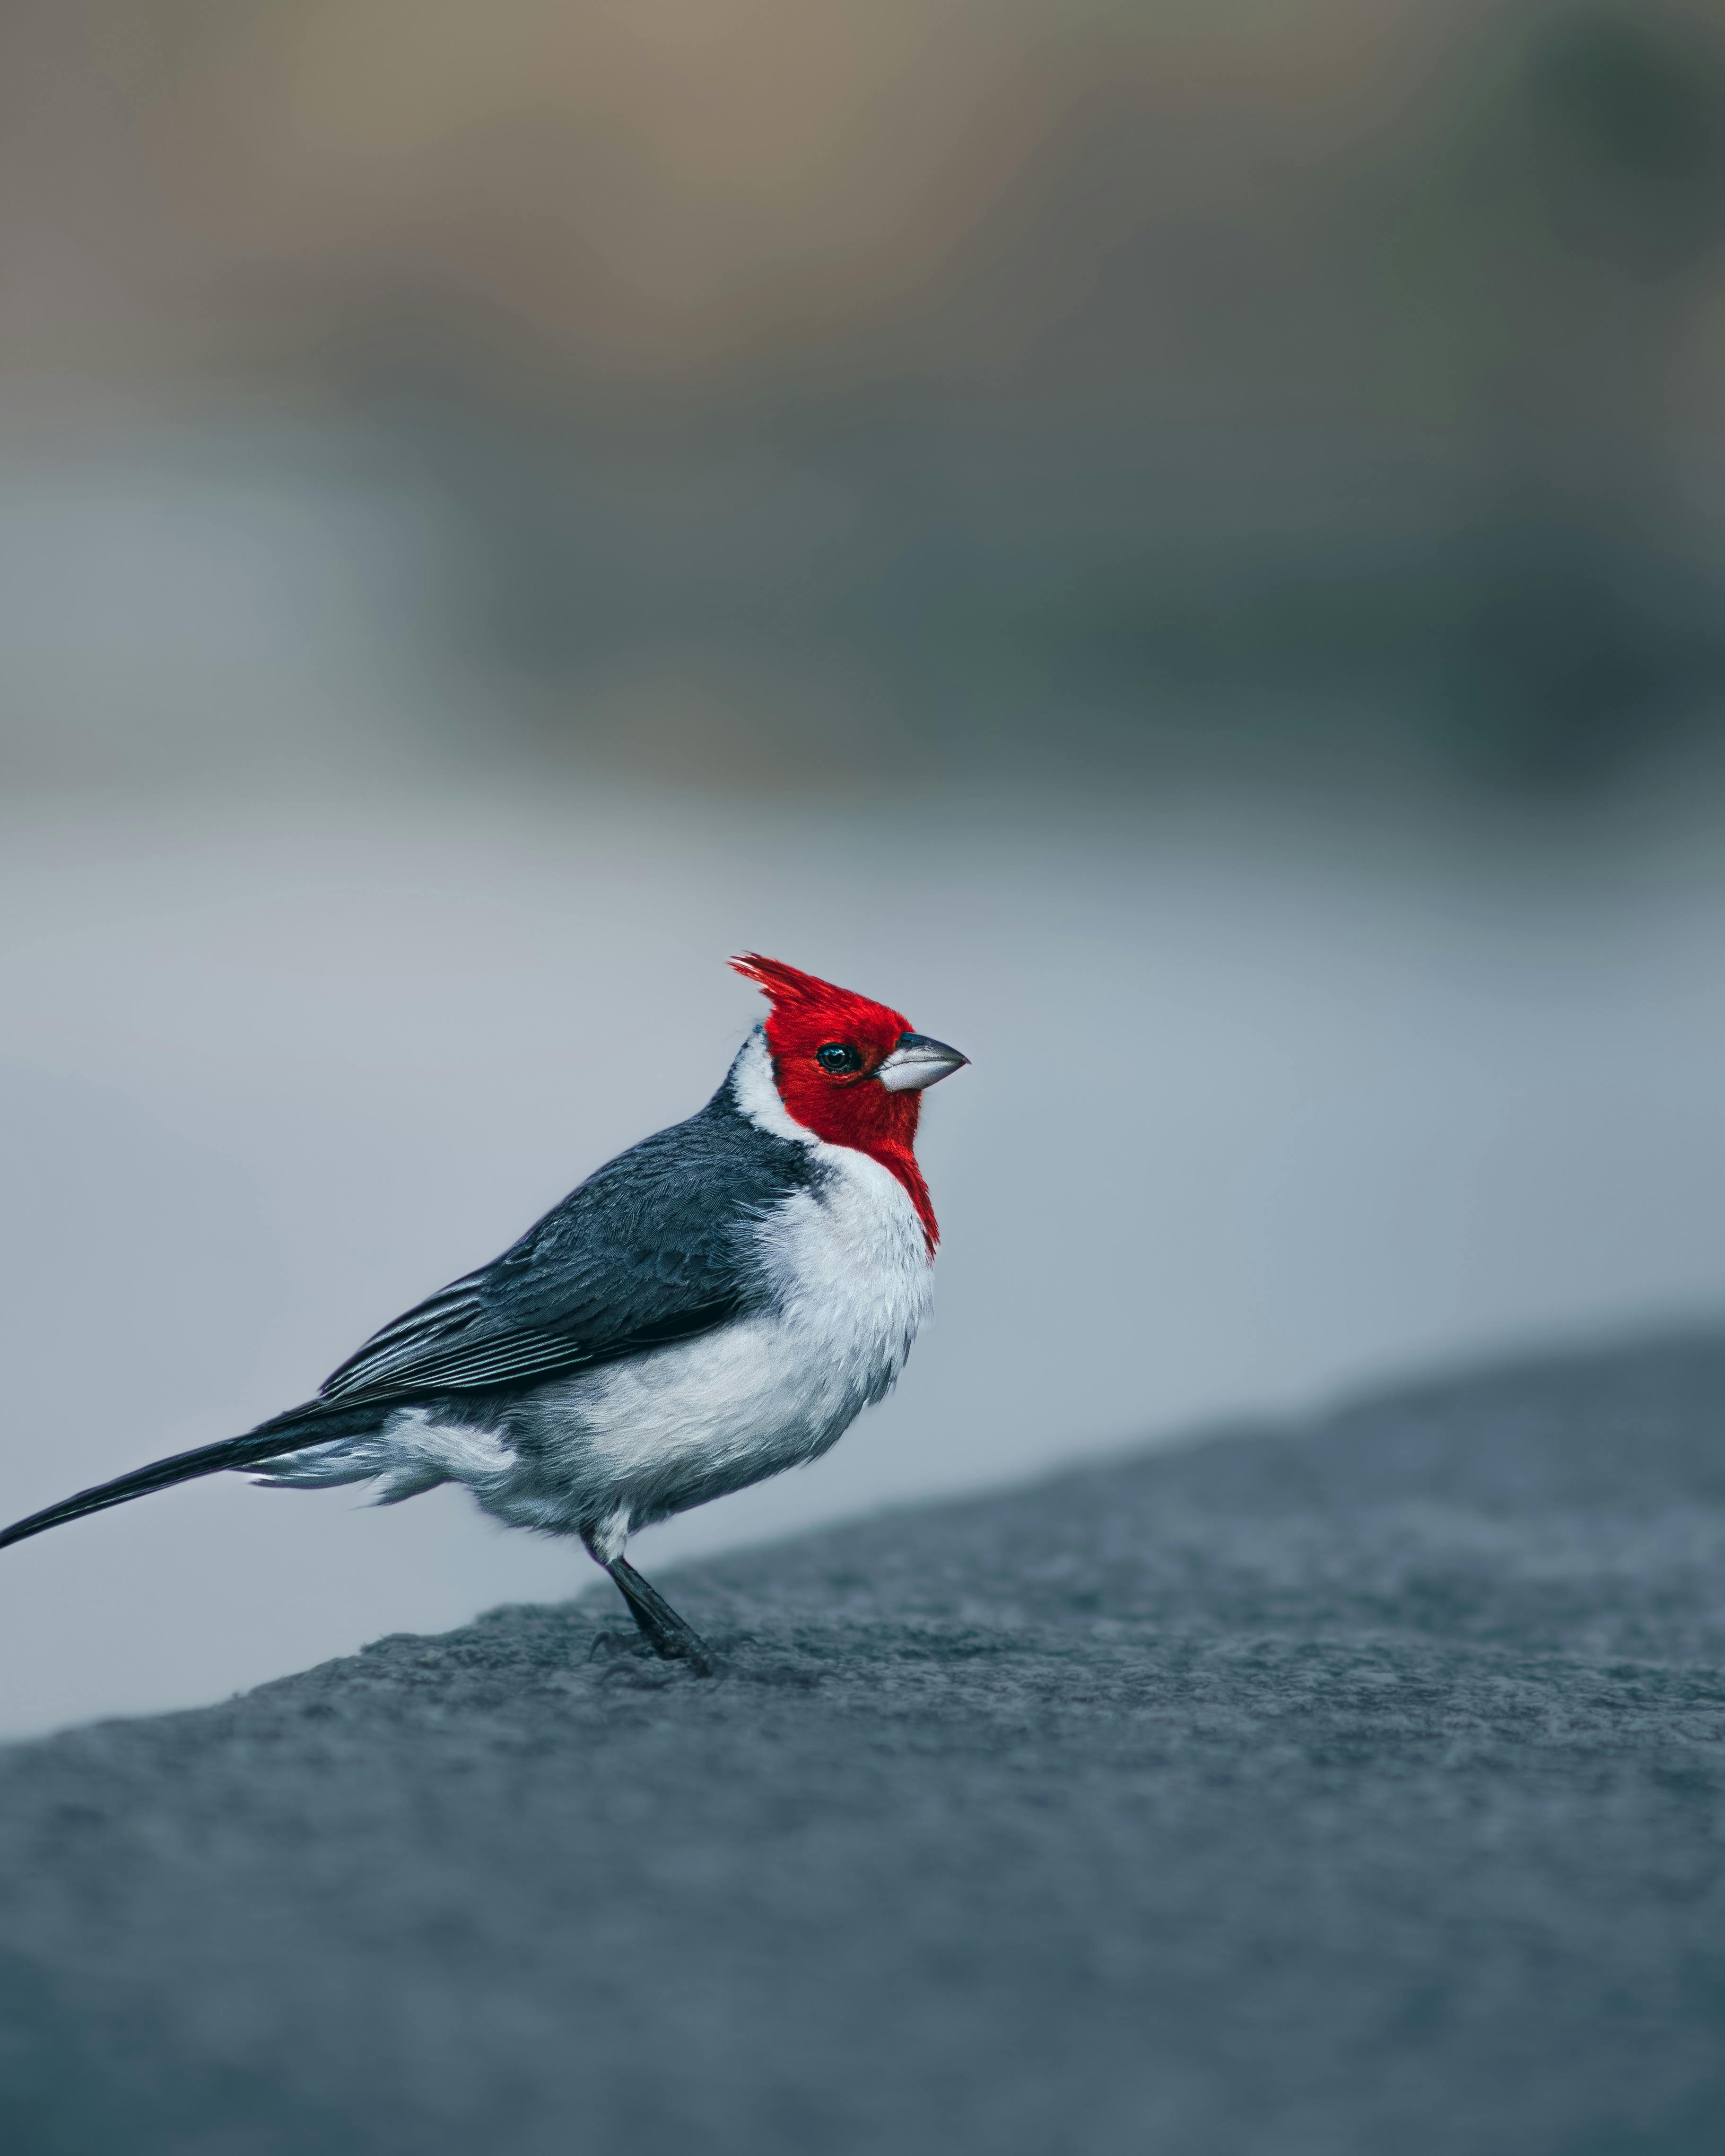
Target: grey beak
[[918, 1061]]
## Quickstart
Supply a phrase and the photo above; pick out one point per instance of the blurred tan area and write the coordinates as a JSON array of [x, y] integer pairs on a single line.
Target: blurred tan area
[[793, 393], [1182, 546]]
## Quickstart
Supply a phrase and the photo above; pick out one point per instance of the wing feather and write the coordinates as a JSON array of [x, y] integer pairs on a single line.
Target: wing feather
[[653, 1248]]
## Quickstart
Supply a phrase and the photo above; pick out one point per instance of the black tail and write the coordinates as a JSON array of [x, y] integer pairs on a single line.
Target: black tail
[[286, 1433]]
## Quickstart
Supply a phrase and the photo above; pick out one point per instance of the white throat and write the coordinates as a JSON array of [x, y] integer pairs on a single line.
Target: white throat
[[756, 1093]]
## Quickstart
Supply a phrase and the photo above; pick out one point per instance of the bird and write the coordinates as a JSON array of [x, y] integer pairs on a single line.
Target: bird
[[717, 1304]]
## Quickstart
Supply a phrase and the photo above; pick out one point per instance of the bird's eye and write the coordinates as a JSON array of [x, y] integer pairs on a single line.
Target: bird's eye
[[838, 1059]]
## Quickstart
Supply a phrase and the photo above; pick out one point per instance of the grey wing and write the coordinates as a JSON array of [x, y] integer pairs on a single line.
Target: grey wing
[[655, 1248]]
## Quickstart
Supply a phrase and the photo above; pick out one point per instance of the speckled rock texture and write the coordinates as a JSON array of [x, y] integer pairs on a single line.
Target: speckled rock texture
[[1334, 1791]]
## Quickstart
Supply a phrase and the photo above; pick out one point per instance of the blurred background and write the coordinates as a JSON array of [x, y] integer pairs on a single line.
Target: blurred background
[[1183, 547]]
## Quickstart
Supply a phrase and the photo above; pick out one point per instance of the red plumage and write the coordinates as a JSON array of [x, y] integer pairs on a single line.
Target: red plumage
[[847, 1108]]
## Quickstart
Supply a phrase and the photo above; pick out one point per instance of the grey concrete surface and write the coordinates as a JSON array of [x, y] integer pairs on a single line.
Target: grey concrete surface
[[1352, 1787]]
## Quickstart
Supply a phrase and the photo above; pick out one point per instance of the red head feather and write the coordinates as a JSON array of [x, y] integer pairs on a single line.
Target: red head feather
[[847, 1108]]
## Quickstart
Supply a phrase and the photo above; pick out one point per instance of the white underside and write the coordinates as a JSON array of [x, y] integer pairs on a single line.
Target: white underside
[[610, 1449]]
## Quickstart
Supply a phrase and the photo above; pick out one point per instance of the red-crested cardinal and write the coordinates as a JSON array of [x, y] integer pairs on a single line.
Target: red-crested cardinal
[[717, 1303]]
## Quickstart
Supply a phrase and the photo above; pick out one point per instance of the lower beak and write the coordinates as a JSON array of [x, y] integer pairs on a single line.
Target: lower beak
[[918, 1061]]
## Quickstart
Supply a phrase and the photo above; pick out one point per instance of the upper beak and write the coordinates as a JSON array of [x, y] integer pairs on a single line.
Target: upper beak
[[918, 1061]]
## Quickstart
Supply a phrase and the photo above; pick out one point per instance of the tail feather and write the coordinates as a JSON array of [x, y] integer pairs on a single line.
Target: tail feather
[[282, 1434]]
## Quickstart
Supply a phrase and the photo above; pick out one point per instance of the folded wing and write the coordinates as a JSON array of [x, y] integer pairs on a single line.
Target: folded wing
[[657, 1246]]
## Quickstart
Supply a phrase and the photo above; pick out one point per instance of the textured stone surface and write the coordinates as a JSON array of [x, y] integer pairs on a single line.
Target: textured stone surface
[[1353, 1787]]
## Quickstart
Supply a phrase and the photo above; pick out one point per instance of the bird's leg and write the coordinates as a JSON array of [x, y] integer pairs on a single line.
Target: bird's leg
[[664, 1631]]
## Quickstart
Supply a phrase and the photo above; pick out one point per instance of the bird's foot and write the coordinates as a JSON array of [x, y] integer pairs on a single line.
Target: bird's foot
[[686, 1645], [668, 1634]]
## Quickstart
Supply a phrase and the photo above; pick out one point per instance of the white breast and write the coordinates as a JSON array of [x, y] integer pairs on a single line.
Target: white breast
[[850, 1272], [852, 1269]]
